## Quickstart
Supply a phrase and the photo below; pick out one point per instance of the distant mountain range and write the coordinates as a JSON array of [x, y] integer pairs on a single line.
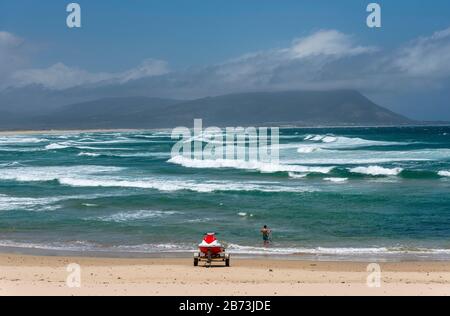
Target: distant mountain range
[[300, 108]]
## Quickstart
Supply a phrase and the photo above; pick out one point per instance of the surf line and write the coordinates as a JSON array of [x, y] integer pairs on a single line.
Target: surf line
[[231, 143]]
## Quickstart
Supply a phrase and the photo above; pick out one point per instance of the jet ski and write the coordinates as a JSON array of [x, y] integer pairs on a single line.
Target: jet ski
[[210, 249]]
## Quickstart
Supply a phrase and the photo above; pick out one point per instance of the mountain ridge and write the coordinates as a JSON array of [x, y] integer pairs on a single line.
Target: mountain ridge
[[295, 107]]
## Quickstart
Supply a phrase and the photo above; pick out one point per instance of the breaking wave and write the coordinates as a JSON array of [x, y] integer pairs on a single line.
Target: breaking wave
[[20, 140], [40, 174], [318, 143], [444, 173], [263, 167], [308, 149], [331, 141], [336, 180], [376, 171], [89, 154], [55, 146], [104, 176], [346, 157], [180, 185], [294, 175]]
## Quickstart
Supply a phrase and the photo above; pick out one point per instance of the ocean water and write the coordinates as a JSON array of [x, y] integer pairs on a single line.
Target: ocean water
[[337, 193]]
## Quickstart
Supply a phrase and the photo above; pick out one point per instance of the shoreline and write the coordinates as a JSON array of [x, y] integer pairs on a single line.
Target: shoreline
[[125, 130], [188, 254], [40, 275]]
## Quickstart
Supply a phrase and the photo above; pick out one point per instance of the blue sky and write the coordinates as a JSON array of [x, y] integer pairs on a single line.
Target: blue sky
[[188, 34]]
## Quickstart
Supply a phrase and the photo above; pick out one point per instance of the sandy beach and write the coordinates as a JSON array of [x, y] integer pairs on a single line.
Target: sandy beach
[[36, 275]]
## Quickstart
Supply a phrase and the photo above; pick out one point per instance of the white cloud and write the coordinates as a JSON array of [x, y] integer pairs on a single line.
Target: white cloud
[[57, 76], [8, 40], [60, 76], [327, 59], [10, 54], [148, 68], [327, 43], [13, 56], [426, 56], [295, 66]]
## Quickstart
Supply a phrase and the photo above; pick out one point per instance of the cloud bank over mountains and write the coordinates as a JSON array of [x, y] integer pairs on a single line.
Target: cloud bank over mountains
[[60, 76], [326, 59], [11, 56]]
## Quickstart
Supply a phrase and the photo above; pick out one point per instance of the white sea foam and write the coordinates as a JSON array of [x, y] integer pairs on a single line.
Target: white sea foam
[[89, 154], [122, 140], [83, 145], [86, 139], [199, 220], [349, 251], [154, 248], [20, 140], [27, 203], [101, 148], [336, 180], [338, 142], [42, 204], [143, 155], [55, 146], [179, 185], [135, 155], [315, 156], [10, 164], [84, 246], [329, 139], [297, 175], [104, 176], [153, 136], [349, 161], [33, 174], [320, 138], [123, 217], [338, 252], [60, 246], [308, 149], [20, 149], [377, 171], [444, 173], [263, 167]]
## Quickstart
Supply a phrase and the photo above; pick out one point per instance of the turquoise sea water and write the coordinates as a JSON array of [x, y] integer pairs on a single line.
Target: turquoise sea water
[[342, 193]]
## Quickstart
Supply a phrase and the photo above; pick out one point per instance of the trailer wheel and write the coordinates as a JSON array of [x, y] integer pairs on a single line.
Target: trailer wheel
[[227, 260], [195, 262]]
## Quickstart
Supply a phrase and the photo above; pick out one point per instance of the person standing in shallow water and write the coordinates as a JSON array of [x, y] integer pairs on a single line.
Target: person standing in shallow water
[[265, 231]]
